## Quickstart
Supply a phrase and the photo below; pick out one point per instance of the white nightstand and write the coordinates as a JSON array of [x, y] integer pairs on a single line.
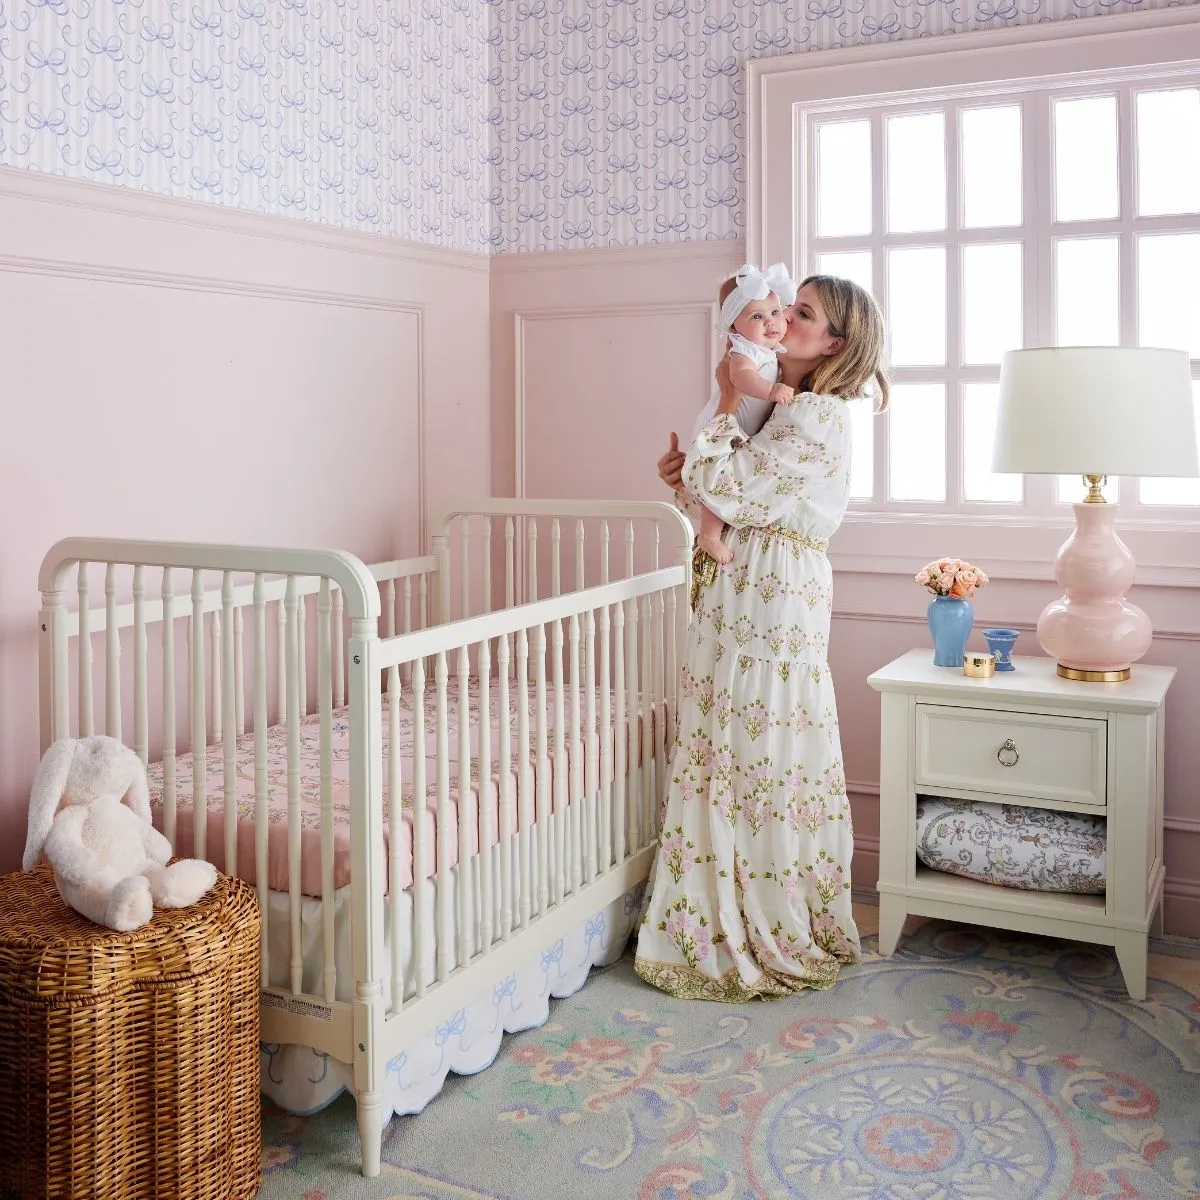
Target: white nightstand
[[1025, 737]]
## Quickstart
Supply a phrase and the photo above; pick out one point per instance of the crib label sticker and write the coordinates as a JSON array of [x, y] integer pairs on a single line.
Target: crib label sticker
[[299, 1006]]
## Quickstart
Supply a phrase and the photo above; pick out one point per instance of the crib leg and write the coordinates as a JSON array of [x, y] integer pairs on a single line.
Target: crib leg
[[370, 1132]]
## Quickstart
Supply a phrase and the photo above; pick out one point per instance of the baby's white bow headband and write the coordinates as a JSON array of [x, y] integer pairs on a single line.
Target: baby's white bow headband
[[753, 284]]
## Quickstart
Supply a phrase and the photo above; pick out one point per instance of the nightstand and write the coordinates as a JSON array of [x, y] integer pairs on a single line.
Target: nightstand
[[1025, 737]]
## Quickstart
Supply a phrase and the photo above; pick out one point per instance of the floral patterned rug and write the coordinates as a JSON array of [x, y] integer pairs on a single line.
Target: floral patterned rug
[[974, 1064]]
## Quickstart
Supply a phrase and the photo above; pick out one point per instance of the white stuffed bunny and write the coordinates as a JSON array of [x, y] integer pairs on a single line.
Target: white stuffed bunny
[[109, 861]]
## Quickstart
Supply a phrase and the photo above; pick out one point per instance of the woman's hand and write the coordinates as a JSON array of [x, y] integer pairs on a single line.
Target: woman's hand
[[670, 466], [781, 394], [730, 396]]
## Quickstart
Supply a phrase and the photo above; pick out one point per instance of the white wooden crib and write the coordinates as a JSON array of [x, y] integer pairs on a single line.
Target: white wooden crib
[[401, 939]]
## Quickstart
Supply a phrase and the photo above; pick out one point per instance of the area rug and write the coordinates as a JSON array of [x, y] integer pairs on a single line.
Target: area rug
[[973, 1064]]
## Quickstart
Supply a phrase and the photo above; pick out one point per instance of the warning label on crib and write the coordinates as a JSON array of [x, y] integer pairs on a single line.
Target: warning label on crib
[[298, 1005]]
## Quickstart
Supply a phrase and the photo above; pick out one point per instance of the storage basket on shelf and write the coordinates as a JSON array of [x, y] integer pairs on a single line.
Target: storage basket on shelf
[[128, 1061]]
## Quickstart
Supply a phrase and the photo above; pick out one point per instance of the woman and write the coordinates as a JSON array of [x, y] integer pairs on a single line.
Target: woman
[[750, 895]]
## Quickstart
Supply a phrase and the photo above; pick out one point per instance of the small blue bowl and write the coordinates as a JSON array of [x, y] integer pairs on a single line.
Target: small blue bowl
[[1000, 643]]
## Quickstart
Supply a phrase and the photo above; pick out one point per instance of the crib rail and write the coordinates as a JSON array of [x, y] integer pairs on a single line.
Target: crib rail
[[585, 705], [499, 553]]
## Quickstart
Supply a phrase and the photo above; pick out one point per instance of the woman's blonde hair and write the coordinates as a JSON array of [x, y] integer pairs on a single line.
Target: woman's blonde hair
[[860, 364]]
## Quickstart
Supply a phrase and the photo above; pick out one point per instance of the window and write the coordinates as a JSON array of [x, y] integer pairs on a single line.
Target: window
[[991, 202], [1064, 215]]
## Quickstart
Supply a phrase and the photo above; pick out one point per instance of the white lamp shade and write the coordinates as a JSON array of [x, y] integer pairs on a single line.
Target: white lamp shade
[[1096, 410]]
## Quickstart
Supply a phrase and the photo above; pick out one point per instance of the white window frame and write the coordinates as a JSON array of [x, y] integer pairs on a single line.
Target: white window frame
[[1048, 60]]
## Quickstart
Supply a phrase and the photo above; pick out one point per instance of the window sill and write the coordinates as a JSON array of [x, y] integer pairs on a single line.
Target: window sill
[[893, 543]]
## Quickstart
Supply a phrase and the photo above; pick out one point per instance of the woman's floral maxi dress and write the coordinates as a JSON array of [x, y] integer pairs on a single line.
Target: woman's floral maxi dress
[[750, 892]]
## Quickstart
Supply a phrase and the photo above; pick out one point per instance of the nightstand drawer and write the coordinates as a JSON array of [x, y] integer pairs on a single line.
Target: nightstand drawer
[[1026, 755]]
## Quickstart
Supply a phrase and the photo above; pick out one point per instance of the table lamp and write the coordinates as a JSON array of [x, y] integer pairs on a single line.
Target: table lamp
[[1095, 411]]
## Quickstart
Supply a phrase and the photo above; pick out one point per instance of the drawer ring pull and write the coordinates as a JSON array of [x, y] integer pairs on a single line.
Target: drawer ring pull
[[1008, 749]]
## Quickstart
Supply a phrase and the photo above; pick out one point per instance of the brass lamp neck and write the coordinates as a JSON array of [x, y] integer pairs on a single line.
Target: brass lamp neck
[[1095, 483]]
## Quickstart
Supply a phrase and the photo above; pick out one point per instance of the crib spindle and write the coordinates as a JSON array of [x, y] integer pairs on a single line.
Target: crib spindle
[[658, 708], [555, 558], [112, 656], [580, 558], [634, 809], [389, 608], [524, 780], [216, 661], [576, 800], [229, 726], [239, 677], [592, 782], [607, 764], [465, 574], [620, 734], [646, 722], [531, 542], [141, 697], [486, 602], [395, 811], [558, 820], [466, 828], [510, 564], [261, 790], [302, 653], [199, 730], [168, 720], [445, 916], [281, 664], [504, 788], [84, 656], [630, 537], [339, 651], [420, 853], [541, 795], [325, 711], [605, 543], [487, 899], [292, 693]]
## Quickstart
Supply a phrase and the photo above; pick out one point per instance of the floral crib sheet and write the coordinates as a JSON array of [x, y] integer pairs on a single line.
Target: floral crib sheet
[[310, 785], [1012, 845]]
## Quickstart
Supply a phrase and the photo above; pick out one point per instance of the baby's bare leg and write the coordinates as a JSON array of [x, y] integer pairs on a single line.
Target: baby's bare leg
[[709, 540]]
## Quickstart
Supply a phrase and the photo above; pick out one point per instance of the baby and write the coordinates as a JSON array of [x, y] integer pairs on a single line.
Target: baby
[[754, 308]]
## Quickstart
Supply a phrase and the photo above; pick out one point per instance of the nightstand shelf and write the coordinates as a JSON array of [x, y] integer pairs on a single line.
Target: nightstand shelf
[[1025, 737]]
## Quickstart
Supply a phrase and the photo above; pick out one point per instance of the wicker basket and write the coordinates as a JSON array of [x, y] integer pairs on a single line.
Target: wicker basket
[[128, 1061]]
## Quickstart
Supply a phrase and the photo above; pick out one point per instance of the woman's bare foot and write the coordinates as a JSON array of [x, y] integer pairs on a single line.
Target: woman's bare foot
[[716, 549]]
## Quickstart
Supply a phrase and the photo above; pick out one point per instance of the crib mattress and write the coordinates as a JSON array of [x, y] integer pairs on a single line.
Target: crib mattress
[[1012, 845], [310, 787]]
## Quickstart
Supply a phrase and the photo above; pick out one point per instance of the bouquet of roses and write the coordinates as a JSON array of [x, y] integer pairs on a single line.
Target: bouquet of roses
[[951, 577]]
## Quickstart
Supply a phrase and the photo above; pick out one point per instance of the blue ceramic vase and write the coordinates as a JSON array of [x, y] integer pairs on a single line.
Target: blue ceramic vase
[[950, 620]]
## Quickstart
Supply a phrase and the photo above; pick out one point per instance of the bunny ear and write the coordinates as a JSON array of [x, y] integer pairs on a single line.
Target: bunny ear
[[138, 795], [48, 787]]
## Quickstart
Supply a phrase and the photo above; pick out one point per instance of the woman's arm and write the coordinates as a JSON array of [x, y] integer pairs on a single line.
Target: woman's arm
[[756, 482]]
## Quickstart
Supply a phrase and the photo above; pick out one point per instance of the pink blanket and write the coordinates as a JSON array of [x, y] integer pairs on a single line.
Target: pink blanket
[[310, 788]]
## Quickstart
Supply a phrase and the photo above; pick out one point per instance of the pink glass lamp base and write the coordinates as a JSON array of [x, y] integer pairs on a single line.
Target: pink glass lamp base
[[1092, 631]]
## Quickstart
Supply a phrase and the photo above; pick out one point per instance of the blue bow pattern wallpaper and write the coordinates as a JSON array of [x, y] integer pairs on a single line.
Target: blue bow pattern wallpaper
[[361, 114], [487, 125]]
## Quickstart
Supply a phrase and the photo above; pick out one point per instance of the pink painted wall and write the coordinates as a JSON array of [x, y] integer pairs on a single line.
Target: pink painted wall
[[179, 371], [598, 354]]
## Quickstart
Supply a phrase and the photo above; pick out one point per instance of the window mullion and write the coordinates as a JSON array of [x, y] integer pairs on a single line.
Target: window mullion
[[954, 318], [1127, 306], [1038, 198], [879, 276]]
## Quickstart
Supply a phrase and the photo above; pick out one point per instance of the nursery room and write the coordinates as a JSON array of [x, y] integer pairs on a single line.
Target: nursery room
[[599, 597]]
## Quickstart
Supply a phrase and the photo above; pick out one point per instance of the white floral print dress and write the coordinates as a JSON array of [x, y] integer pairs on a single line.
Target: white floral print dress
[[750, 891]]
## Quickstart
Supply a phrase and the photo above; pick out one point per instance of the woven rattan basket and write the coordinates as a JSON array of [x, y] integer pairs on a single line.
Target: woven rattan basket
[[128, 1061]]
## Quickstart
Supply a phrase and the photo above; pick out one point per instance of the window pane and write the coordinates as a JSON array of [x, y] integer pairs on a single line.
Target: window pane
[[862, 449], [980, 482], [1168, 267], [1085, 287], [992, 302], [916, 172], [1174, 491], [990, 146], [1085, 158], [917, 306], [1168, 151], [917, 442], [850, 264], [843, 178], [1072, 489]]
